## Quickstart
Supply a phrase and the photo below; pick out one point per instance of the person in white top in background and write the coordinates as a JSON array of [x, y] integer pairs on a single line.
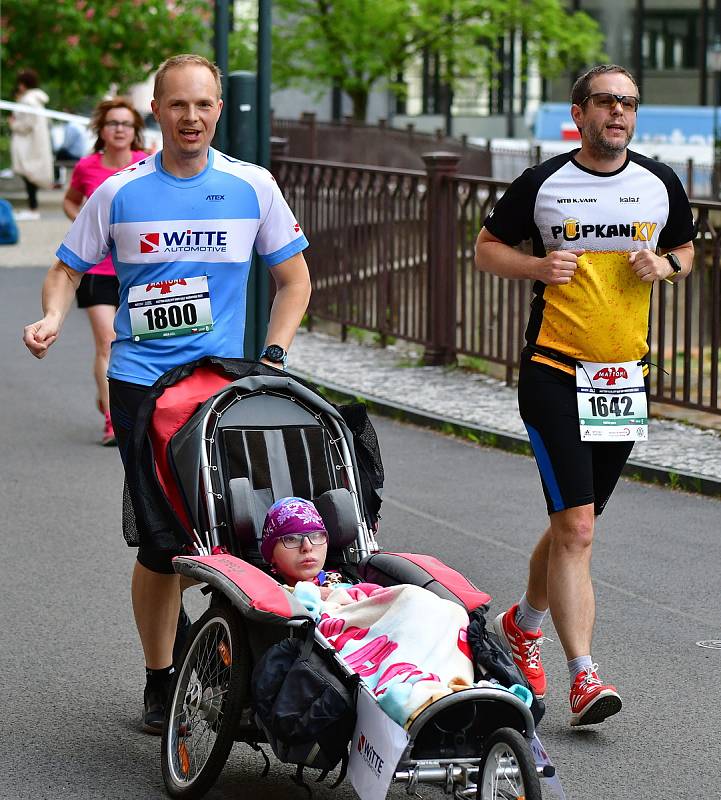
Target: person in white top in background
[[30, 148]]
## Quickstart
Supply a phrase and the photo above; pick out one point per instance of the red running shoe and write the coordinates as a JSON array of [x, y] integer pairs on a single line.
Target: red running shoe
[[108, 439], [525, 648], [591, 700]]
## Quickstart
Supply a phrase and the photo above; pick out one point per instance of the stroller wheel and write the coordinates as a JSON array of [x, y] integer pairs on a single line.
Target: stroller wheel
[[205, 701], [507, 769]]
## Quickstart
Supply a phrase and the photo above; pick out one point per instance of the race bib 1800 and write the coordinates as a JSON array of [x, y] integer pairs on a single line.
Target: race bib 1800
[[170, 308], [612, 404]]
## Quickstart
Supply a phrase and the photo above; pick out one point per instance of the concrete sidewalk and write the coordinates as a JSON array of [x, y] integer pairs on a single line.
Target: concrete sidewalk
[[485, 410]]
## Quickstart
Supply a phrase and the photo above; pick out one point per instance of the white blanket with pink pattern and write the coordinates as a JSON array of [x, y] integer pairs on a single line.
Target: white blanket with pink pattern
[[408, 645]]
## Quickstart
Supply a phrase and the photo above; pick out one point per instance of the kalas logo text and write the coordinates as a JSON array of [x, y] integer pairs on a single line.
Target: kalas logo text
[[184, 242]]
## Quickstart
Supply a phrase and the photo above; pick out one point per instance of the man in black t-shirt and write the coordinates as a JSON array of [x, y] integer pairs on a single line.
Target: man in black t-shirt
[[605, 223]]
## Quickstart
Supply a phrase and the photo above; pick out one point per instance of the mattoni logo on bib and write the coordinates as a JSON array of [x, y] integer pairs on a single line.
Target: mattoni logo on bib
[[611, 375], [165, 286]]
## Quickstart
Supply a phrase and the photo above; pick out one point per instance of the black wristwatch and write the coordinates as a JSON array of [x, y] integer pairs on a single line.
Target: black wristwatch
[[672, 259], [275, 354]]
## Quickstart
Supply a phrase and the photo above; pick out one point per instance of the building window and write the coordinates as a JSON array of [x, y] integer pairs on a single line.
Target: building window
[[670, 40]]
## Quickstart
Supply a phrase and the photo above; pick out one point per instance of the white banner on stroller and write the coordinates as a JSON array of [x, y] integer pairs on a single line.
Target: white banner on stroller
[[376, 747], [542, 760]]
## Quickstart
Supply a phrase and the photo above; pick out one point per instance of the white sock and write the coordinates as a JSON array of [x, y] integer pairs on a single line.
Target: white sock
[[580, 664], [528, 618]]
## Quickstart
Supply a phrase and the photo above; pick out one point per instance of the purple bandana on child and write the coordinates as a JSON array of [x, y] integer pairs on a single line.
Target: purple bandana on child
[[286, 516]]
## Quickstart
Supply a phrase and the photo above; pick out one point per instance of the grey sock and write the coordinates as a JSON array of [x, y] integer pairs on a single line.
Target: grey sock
[[528, 618], [580, 664]]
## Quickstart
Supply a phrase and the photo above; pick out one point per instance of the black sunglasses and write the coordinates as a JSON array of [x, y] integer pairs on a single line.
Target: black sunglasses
[[608, 101]]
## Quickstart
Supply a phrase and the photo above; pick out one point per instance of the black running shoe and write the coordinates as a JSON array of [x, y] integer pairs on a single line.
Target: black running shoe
[[154, 698]]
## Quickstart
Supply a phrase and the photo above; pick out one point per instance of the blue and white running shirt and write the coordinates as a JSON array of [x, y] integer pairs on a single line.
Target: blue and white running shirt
[[182, 249]]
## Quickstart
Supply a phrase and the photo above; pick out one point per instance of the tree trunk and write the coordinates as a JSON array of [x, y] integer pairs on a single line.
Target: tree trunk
[[359, 98]]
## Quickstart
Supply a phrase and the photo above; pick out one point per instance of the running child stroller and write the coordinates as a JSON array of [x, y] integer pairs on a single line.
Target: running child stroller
[[227, 437]]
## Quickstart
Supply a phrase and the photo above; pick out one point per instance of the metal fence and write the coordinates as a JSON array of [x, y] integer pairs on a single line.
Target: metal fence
[[381, 145], [392, 252], [402, 148], [506, 163]]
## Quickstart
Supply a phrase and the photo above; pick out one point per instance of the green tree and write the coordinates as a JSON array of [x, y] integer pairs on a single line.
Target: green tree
[[80, 48], [242, 46], [356, 44]]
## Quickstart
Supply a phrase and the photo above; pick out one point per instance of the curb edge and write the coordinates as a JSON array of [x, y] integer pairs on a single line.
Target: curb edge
[[505, 440]]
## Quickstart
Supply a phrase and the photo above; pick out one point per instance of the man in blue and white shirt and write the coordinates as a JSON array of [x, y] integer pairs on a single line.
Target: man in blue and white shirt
[[181, 226]]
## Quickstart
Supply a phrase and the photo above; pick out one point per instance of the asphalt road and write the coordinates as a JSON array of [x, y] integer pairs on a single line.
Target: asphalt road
[[72, 673]]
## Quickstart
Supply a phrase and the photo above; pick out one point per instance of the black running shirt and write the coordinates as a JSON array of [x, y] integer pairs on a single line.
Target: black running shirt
[[602, 314]]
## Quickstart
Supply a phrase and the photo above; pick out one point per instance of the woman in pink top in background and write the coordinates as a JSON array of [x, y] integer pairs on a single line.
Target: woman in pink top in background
[[119, 143]]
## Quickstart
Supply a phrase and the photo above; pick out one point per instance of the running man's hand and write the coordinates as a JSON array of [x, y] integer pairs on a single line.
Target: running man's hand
[[58, 292], [557, 268], [649, 267], [39, 335]]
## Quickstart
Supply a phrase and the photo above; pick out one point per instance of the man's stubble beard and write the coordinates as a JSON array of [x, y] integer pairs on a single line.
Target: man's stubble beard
[[601, 147]]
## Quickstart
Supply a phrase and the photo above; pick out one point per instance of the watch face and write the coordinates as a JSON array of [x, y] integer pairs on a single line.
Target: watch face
[[274, 352]]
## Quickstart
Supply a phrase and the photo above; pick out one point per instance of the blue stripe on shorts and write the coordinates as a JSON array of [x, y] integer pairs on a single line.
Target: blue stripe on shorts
[[545, 468]]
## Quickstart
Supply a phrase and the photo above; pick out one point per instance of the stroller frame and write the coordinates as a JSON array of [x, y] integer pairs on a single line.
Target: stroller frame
[[448, 739], [365, 540]]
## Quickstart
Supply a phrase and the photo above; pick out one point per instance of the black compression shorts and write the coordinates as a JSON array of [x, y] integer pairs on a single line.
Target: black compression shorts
[[98, 290], [573, 473], [125, 400]]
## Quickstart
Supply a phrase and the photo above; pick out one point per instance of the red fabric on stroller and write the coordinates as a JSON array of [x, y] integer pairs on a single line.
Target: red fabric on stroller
[[173, 409]]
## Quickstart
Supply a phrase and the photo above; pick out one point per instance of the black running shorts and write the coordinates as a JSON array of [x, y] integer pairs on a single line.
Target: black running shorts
[[98, 290], [573, 473], [153, 550]]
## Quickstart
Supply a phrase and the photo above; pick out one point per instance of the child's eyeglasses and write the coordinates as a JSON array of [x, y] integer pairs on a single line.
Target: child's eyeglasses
[[114, 123], [294, 540]]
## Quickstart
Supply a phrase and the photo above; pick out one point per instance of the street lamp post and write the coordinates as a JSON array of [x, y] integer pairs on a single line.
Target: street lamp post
[[221, 24], [259, 285], [244, 127], [264, 81], [713, 62]]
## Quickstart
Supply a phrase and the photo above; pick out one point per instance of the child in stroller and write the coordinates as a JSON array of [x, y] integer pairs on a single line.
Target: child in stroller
[[375, 629]]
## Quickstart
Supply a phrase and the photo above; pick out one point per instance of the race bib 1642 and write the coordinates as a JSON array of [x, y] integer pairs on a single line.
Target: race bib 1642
[[612, 405]]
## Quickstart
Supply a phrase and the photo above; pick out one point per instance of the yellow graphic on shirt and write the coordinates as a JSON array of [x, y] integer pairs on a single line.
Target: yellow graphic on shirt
[[573, 229], [601, 315]]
